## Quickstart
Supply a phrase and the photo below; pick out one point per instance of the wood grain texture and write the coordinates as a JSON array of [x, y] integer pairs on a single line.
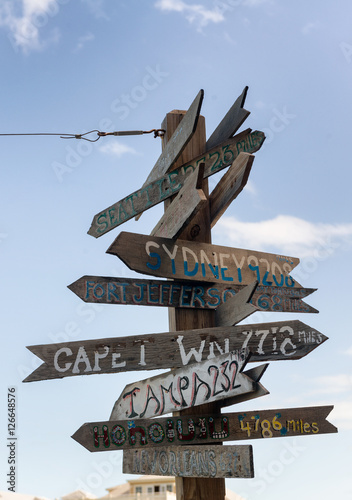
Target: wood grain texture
[[230, 186], [205, 429], [184, 207], [234, 461], [236, 308], [198, 261], [231, 122], [182, 319], [168, 185], [178, 141], [185, 294], [183, 388], [283, 340]]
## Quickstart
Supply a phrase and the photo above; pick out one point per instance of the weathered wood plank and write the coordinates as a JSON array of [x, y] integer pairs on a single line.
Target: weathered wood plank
[[204, 382], [230, 186], [178, 141], [191, 461], [163, 188], [204, 429], [185, 294], [184, 319], [191, 260], [236, 308], [266, 341], [188, 202], [231, 121]]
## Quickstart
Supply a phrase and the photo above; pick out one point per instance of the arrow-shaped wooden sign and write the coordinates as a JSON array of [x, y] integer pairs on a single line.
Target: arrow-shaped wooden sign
[[189, 260], [231, 122], [229, 186], [159, 190], [188, 202], [185, 294], [191, 461], [267, 342], [205, 429], [259, 390], [236, 308], [211, 380], [178, 140]]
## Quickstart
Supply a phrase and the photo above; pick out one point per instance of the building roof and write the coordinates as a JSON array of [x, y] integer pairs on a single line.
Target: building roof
[[152, 479], [230, 495], [78, 495], [9, 495], [116, 491]]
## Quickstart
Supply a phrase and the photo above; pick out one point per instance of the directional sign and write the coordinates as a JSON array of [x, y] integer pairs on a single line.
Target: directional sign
[[266, 341], [191, 461], [185, 294], [188, 202], [196, 384], [237, 307], [258, 389], [178, 140], [205, 429], [229, 186], [230, 123], [189, 260], [155, 192]]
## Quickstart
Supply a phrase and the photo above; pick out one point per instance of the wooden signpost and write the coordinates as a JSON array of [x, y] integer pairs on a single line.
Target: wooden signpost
[[186, 294], [211, 289], [206, 429], [190, 260], [204, 382], [168, 185], [283, 340], [191, 461]]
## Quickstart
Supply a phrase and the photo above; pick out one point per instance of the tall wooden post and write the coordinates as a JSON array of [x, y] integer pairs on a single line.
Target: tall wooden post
[[187, 319]]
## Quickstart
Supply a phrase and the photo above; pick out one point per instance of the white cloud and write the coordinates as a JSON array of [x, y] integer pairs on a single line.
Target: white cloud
[[228, 38], [24, 19], [310, 27], [117, 149], [255, 3], [200, 15], [97, 8], [260, 104], [250, 187], [82, 40], [341, 415], [194, 13], [287, 234], [332, 384]]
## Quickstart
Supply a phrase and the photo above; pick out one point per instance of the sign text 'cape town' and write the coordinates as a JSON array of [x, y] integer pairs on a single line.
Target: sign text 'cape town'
[[284, 340]]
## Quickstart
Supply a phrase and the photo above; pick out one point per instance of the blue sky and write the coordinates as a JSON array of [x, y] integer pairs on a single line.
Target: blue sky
[[73, 66]]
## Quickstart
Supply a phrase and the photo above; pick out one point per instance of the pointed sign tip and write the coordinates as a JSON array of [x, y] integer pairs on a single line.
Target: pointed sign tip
[[91, 231], [257, 372], [244, 95]]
